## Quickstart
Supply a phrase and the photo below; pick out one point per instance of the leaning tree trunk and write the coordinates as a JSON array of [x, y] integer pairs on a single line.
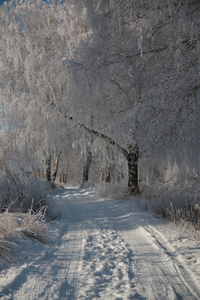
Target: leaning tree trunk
[[132, 157], [48, 169], [56, 164]]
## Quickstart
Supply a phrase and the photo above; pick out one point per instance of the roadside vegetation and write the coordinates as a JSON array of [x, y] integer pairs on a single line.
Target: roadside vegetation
[[178, 202], [169, 201], [24, 211]]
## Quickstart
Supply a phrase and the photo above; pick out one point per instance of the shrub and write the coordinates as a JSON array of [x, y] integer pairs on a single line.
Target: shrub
[[8, 235], [33, 224], [19, 192], [23, 206], [112, 190], [180, 203], [184, 213], [15, 225]]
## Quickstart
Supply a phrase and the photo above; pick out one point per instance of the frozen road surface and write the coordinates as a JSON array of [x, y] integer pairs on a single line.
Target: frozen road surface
[[103, 249]]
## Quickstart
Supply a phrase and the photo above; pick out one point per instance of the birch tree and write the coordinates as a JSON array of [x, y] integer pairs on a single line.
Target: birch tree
[[132, 66], [40, 61], [147, 59]]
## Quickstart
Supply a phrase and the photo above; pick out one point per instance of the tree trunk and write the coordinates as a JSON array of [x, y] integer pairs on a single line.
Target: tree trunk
[[85, 174], [56, 164], [63, 178], [48, 169], [87, 168], [106, 175], [133, 155], [88, 159]]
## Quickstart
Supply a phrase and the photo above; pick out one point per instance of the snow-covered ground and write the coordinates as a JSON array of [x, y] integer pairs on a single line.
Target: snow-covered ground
[[103, 249]]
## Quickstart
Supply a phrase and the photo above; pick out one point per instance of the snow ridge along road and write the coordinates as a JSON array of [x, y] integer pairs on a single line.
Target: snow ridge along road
[[101, 249]]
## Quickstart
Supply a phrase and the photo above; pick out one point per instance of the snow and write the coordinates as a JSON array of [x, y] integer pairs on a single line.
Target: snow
[[103, 249]]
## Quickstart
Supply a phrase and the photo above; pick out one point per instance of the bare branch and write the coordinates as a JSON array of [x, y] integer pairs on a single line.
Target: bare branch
[[51, 88]]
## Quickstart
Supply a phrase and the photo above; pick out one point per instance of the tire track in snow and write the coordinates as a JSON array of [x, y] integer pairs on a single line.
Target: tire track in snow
[[157, 274], [170, 257], [103, 249]]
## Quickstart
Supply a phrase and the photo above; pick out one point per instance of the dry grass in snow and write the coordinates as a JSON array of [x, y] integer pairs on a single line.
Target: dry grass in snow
[[13, 226], [178, 203]]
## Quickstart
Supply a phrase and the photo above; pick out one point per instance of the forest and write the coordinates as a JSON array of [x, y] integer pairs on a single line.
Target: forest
[[101, 93]]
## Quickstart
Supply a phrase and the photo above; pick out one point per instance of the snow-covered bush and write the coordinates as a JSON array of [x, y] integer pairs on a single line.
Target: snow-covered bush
[[23, 205], [20, 192], [8, 235], [33, 224], [184, 213], [14, 226], [179, 204], [112, 190], [158, 206]]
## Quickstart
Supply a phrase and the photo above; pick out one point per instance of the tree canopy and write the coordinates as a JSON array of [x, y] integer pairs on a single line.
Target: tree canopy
[[104, 79]]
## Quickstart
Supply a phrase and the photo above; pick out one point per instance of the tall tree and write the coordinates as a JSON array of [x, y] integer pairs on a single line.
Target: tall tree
[[133, 66]]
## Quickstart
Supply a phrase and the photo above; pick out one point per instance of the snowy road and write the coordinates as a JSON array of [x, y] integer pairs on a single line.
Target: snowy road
[[101, 249]]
